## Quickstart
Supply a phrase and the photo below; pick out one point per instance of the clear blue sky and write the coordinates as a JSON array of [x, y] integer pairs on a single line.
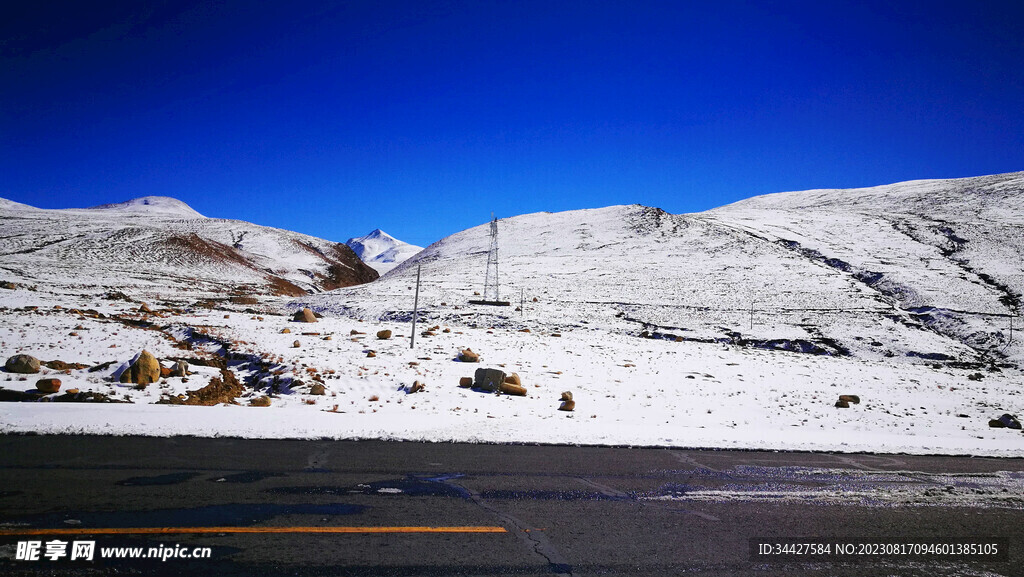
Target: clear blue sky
[[421, 118]]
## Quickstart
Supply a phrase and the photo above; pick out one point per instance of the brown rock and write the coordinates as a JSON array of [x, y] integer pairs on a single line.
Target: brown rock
[[318, 389], [23, 364], [145, 308], [286, 331], [512, 389], [48, 385], [296, 345], [416, 387], [165, 372], [370, 354], [854, 399], [468, 356], [145, 370], [304, 316], [466, 382], [384, 335], [567, 406], [513, 379], [566, 396], [841, 404], [263, 401]]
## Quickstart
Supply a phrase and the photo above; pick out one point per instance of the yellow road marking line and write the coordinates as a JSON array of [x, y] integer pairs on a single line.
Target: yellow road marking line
[[169, 530]]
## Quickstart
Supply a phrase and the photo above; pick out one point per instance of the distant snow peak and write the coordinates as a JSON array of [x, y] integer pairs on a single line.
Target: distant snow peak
[[382, 251], [163, 205]]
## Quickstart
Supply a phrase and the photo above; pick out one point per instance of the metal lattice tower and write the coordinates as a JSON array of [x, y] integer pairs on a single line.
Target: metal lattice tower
[[491, 280]]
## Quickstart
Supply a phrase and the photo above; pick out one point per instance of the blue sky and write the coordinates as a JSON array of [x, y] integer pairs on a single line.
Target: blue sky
[[422, 118]]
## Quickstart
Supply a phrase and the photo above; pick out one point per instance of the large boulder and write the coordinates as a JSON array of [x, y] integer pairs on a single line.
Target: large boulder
[[384, 335], [25, 364], [1005, 421], [488, 379], [180, 369], [145, 370], [318, 389], [304, 316]]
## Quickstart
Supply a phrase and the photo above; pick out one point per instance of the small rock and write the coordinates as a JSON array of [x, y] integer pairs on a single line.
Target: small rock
[[1005, 421], [841, 404], [466, 382], [304, 316], [512, 389], [285, 331], [48, 385], [263, 401], [567, 406], [296, 345], [180, 369], [468, 356], [318, 389], [384, 335], [566, 396], [145, 308], [513, 379], [165, 372], [370, 354], [853, 399], [416, 387], [23, 364]]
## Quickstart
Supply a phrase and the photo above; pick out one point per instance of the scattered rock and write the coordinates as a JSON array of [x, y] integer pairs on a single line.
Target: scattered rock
[[370, 354], [535, 299], [567, 406], [514, 379], [1006, 421], [566, 396], [285, 331], [318, 389], [466, 382], [975, 377], [145, 370], [841, 404], [354, 332], [512, 389], [488, 379], [853, 399], [384, 335], [304, 316], [416, 387], [6, 284], [23, 364], [263, 401], [468, 356], [180, 369], [296, 345], [48, 386], [145, 308], [165, 372]]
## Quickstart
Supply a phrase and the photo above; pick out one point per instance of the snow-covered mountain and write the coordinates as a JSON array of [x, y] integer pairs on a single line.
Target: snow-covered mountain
[[382, 251], [162, 246], [923, 270]]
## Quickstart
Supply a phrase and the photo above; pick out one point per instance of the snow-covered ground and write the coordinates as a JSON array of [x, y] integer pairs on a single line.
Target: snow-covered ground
[[382, 251], [735, 328]]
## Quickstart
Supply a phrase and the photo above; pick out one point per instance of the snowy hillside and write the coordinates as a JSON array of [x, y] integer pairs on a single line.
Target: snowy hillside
[[161, 246], [382, 251], [738, 327]]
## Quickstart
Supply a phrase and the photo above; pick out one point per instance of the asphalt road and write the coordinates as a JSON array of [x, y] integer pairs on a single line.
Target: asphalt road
[[546, 510]]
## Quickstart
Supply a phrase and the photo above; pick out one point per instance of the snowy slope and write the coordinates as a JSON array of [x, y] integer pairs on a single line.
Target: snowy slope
[[922, 270], [733, 328], [162, 246], [382, 251]]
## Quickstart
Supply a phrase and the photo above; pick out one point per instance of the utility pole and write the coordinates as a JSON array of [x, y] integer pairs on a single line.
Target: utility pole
[[415, 308], [752, 315], [491, 279], [522, 303]]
